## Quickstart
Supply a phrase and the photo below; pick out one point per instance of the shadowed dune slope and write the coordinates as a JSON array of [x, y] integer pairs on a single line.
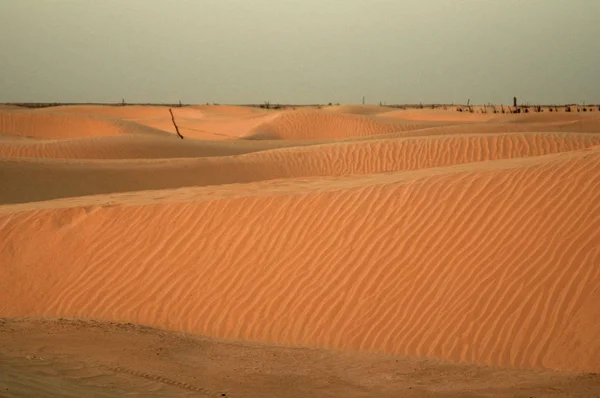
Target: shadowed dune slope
[[494, 263], [132, 147], [50, 179], [74, 358]]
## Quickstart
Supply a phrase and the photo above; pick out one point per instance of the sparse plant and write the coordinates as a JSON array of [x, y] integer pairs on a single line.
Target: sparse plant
[[567, 108]]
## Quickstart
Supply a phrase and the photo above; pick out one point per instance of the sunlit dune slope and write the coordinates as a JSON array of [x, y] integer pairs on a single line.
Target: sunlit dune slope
[[196, 122], [307, 125], [54, 125], [358, 109], [492, 263], [49, 179], [438, 115]]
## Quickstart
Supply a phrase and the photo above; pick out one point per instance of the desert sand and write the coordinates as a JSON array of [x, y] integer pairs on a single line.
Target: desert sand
[[338, 251]]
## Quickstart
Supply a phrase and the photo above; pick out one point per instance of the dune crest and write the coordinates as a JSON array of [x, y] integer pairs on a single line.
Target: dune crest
[[56, 178], [318, 124]]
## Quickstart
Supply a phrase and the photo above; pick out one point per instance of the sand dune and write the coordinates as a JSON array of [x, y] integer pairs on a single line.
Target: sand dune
[[52, 125], [131, 147], [358, 109], [412, 232], [198, 122], [439, 115], [50, 179], [509, 251], [306, 125]]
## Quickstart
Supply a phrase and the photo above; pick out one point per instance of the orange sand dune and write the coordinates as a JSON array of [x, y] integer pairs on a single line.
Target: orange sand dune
[[548, 117], [230, 110], [130, 147], [358, 109], [589, 126], [219, 126], [129, 112], [306, 125], [50, 179], [198, 122], [428, 233], [493, 263], [52, 125], [439, 115]]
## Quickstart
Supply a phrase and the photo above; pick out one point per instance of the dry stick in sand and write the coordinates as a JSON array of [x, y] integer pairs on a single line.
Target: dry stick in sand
[[174, 124]]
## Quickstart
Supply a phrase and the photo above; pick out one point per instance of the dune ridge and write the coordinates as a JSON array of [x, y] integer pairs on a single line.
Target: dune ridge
[[54, 178], [313, 124], [54, 125], [510, 254]]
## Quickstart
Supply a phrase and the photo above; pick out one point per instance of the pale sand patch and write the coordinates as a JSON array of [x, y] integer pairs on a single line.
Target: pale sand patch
[[92, 359]]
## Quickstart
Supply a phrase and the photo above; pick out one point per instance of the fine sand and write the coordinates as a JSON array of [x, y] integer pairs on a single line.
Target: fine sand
[[342, 251]]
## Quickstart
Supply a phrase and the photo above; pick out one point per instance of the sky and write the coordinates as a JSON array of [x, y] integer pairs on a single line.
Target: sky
[[300, 51]]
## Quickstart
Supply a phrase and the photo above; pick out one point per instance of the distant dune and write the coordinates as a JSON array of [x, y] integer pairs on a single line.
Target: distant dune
[[470, 239]]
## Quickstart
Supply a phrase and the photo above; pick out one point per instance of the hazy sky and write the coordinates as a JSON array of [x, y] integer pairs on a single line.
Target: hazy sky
[[300, 51]]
